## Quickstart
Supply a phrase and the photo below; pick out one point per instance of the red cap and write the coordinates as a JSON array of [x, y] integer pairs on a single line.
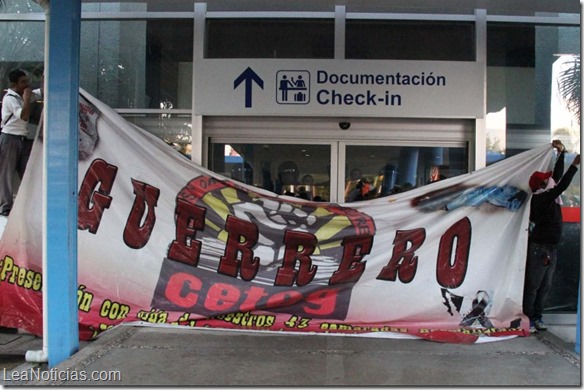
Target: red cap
[[537, 179]]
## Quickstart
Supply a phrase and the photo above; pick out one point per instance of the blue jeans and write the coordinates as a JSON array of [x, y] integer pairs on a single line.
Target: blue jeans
[[539, 272]]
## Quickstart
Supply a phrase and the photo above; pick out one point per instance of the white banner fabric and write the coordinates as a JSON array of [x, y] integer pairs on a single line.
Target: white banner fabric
[[162, 240]]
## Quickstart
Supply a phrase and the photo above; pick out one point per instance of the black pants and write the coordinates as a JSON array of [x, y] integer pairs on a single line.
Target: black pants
[[539, 272], [14, 153]]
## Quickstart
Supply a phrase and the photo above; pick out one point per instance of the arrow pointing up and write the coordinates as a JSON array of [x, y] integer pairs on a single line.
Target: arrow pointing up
[[248, 76]]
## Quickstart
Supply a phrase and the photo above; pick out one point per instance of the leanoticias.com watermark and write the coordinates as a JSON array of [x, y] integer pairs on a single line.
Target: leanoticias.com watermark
[[55, 375]]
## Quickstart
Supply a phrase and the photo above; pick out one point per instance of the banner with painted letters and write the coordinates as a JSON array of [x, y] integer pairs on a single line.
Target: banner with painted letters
[[164, 241]]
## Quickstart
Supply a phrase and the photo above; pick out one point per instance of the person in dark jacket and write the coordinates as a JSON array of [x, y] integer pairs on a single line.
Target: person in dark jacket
[[545, 234]]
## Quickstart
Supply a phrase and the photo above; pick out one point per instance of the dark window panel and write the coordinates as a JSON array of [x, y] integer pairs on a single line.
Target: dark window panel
[[407, 40], [282, 38]]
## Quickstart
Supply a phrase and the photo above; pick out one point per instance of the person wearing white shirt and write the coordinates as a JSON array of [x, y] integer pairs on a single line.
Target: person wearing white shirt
[[15, 145]]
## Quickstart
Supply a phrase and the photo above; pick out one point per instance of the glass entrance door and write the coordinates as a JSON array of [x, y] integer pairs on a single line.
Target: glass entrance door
[[299, 170], [373, 171], [336, 171]]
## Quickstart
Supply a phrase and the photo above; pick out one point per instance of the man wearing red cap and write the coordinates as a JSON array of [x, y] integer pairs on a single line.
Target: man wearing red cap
[[545, 233]]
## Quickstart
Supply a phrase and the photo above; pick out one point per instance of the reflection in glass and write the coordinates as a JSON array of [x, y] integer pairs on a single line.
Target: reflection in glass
[[175, 130], [296, 170], [138, 64], [20, 7], [22, 46], [377, 171]]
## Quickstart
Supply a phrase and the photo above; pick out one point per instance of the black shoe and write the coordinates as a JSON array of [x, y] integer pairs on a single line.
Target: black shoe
[[4, 329], [5, 213]]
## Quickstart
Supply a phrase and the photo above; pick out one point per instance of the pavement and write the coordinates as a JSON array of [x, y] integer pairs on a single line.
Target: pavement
[[141, 355]]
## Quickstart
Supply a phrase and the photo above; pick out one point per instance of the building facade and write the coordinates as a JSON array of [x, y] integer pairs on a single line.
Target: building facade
[[332, 101]]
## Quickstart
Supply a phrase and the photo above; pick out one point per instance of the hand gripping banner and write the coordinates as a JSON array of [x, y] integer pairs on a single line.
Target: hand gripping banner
[[164, 241]]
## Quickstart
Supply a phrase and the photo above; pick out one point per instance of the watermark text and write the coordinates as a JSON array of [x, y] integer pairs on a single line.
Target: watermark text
[[55, 375]]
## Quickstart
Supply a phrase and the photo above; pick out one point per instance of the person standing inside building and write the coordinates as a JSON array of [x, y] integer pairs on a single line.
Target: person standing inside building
[[15, 147], [545, 233]]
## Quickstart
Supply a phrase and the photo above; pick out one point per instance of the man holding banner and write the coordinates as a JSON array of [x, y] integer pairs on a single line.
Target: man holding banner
[[545, 235]]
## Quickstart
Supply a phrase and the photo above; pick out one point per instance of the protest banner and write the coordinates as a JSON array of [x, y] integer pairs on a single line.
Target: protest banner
[[164, 241]]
